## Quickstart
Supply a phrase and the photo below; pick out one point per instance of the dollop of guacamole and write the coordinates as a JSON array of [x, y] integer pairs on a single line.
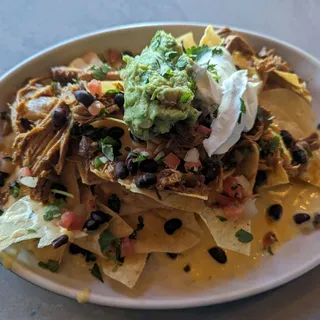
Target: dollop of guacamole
[[159, 88]]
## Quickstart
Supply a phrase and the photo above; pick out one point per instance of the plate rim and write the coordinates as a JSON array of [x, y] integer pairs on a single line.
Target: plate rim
[[26, 273]]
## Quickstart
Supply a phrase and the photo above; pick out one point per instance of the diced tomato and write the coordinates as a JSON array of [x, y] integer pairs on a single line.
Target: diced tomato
[[69, 220], [171, 161], [127, 248], [234, 212], [224, 201], [25, 172], [269, 239], [232, 188], [204, 130], [95, 87], [114, 56], [192, 166]]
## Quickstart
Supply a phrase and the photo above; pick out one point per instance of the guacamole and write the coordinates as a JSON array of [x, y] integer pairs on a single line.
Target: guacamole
[[158, 88]]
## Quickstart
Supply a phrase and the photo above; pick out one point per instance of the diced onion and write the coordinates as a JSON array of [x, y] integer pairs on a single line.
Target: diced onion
[[250, 208], [192, 155], [30, 182], [96, 107]]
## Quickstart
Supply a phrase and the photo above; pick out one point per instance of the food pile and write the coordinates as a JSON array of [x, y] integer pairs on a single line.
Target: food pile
[[118, 156]]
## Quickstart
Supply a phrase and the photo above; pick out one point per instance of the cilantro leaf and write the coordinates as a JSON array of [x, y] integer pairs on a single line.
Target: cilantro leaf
[[52, 265], [107, 150], [186, 97], [166, 71], [95, 271], [105, 241], [97, 163], [112, 91], [244, 236], [196, 53], [222, 219], [140, 158], [170, 55], [14, 189], [182, 62], [243, 107], [111, 141], [274, 143], [100, 73], [217, 51], [30, 230], [54, 210]]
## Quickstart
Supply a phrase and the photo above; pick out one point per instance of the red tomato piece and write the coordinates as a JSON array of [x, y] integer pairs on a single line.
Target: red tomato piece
[[204, 130], [224, 201], [192, 165], [25, 172], [69, 220], [234, 212], [95, 87], [232, 188], [269, 239], [171, 161], [127, 248]]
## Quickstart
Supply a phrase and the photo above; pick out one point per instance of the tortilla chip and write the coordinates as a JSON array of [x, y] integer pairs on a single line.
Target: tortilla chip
[[291, 111], [153, 238], [129, 272], [186, 40], [293, 82], [210, 38], [24, 221], [312, 173], [223, 232], [111, 85], [87, 177]]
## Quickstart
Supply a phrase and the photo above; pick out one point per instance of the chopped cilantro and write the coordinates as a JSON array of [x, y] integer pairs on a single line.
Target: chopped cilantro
[[97, 163], [244, 236], [170, 54], [185, 97], [274, 143], [182, 62], [106, 240], [243, 107], [54, 210], [196, 53], [107, 150], [14, 189], [95, 271], [111, 141], [140, 158], [269, 250], [110, 147], [100, 73], [217, 51], [145, 77], [166, 71], [222, 219], [112, 91], [30, 230], [52, 265]]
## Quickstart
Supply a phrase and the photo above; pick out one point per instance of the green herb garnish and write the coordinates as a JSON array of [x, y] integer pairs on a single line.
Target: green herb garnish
[[182, 62], [222, 219], [52, 265], [171, 55], [14, 189], [274, 143], [30, 230], [97, 163], [54, 210], [196, 53], [166, 71], [112, 91], [217, 51], [140, 158], [186, 97], [95, 271], [244, 236], [106, 241], [243, 107], [100, 73], [269, 250]]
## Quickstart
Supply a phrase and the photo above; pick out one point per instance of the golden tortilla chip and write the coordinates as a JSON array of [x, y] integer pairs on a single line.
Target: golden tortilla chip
[[312, 172], [129, 272], [291, 111], [186, 40], [153, 237], [210, 38]]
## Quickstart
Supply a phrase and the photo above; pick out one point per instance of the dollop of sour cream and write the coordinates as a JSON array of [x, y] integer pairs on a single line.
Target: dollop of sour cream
[[229, 94]]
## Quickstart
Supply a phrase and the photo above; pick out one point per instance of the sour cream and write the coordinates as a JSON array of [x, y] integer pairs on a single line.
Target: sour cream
[[231, 95]]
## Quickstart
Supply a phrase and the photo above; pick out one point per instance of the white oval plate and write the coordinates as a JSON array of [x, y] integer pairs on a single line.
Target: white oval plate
[[155, 290]]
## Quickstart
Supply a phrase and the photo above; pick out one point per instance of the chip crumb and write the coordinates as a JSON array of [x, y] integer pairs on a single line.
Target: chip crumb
[[84, 295]]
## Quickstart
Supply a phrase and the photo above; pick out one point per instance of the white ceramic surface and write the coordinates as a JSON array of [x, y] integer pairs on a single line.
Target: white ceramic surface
[[293, 259]]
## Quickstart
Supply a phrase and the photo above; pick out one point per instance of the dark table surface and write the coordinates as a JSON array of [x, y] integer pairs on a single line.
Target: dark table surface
[[28, 26]]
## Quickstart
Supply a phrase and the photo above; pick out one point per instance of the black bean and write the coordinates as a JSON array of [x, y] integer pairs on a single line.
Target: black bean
[[173, 256], [3, 177], [100, 216], [91, 225], [261, 178], [121, 170], [316, 220], [59, 117], [190, 180], [187, 268], [218, 254], [135, 139], [115, 132], [119, 100], [60, 241], [300, 218], [146, 180], [299, 155], [127, 53], [61, 187], [275, 212], [287, 138], [210, 173], [114, 203], [84, 97], [26, 124], [75, 249], [148, 165], [172, 225], [131, 165]]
